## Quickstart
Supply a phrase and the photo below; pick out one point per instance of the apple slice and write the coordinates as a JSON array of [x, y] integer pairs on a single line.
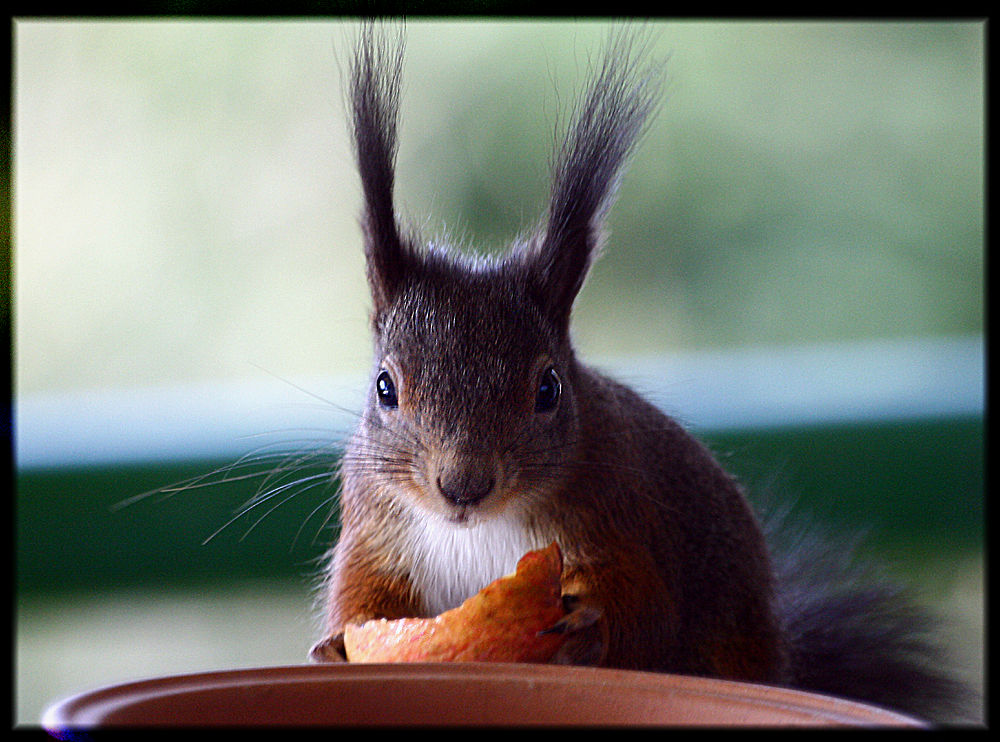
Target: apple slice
[[501, 623]]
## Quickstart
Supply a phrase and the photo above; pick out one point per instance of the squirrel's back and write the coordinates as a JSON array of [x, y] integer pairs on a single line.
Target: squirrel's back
[[691, 518], [844, 625]]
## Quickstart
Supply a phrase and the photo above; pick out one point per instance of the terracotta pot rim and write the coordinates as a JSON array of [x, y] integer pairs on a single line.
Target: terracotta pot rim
[[445, 693]]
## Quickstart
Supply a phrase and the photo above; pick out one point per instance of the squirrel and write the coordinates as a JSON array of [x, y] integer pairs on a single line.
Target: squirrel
[[484, 436]]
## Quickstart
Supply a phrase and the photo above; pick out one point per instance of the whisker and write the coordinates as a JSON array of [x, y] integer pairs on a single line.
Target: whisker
[[294, 494], [302, 389], [256, 501], [327, 503], [293, 462]]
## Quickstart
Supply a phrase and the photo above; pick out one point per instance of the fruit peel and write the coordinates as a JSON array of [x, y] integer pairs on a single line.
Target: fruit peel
[[501, 623]]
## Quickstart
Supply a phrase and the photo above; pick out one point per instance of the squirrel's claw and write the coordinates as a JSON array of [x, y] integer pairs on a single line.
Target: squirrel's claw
[[577, 617], [330, 649], [584, 644]]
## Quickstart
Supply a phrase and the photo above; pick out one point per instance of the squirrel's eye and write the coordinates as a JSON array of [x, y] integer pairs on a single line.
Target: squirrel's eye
[[549, 390], [386, 390]]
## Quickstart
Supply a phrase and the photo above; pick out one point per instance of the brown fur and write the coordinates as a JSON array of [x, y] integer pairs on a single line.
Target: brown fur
[[465, 459]]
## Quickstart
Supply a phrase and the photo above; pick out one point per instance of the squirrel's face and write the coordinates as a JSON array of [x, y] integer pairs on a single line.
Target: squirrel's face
[[471, 407]]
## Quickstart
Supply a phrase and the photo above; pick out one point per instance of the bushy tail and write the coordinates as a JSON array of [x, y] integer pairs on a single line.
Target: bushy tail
[[854, 632]]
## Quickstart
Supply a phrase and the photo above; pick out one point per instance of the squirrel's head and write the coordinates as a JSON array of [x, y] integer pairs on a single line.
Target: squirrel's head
[[472, 406]]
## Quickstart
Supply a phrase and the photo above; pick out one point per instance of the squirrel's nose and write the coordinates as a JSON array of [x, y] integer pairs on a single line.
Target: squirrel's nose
[[465, 485]]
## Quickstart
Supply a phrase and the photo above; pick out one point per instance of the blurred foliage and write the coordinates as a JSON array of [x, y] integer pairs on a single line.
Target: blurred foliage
[[186, 202], [804, 181]]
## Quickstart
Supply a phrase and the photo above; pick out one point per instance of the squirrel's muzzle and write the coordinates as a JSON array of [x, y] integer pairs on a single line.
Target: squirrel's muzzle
[[466, 482]]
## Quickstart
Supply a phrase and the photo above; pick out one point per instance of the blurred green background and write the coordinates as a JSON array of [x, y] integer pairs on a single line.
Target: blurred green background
[[185, 214]]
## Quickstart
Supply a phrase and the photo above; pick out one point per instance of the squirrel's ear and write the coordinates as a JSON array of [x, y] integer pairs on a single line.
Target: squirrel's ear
[[374, 103], [609, 118]]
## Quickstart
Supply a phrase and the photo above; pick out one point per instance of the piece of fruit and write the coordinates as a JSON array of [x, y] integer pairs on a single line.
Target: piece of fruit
[[501, 623]]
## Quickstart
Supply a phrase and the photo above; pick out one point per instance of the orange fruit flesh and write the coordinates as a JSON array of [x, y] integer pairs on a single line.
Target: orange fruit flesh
[[501, 623]]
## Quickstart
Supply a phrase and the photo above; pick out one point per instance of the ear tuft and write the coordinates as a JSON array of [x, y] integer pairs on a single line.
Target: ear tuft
[[608, 120], [375, 82]]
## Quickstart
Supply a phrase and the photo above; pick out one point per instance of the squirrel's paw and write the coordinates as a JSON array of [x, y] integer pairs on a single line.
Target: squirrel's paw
[[577, 617], [330, 649], [584, 645]]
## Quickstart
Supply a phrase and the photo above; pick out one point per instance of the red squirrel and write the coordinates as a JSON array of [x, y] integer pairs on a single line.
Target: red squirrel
[[484, 436]]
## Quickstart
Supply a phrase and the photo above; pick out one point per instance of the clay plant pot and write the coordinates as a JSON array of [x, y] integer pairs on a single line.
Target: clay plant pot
[[450, 693]]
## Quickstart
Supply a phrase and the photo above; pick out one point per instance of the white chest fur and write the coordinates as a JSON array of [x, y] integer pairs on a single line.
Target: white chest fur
[[452, 563]]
